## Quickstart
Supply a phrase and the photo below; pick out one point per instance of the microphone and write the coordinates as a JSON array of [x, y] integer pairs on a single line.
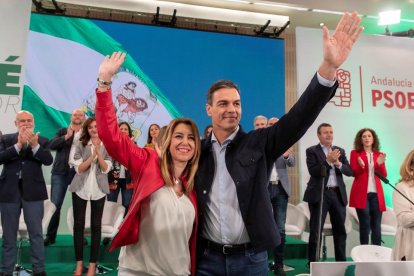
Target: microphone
[[380, 176], [386, 181]]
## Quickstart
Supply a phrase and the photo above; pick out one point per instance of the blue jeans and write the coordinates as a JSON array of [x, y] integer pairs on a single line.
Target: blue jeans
[[370, 221], [279, 199], [213, 263], [59, 185], [125, 193]]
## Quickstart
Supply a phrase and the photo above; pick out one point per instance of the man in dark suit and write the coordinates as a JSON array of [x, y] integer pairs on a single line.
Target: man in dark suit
[[332, 159], [236, 224], [22, 185]]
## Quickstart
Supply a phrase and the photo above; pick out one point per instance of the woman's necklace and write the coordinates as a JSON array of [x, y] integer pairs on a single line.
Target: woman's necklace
[[177, 187]]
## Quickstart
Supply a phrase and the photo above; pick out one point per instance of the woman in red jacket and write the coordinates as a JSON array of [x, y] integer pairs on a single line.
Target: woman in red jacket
[[367, 195], [159, 231]]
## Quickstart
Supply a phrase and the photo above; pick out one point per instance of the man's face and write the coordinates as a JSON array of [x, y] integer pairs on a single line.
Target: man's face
[[272, 121], [24, 120], [326, 136], [225, 110], [78, 117], [260, 123]]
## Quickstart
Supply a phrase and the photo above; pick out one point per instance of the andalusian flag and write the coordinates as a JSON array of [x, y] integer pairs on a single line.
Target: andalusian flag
[[62, 64]]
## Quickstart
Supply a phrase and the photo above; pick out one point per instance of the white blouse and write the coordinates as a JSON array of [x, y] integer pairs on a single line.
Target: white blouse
[[372, 188], [164, 234]]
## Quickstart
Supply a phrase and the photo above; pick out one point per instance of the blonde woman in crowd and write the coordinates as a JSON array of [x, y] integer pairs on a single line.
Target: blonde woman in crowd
[[404, 210], [158, 233]]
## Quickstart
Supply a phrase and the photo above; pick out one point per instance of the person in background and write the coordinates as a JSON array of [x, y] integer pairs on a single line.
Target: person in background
[[404, 238], [153, 132], [367, 195], [158, 234], [279, 190], [119, 178], [207, 131], [259, 121], [332, 159], [160, 140], [22, 186], [64, 143], [92, 164]]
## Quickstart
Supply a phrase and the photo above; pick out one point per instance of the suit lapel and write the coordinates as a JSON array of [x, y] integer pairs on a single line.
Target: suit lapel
[[321, 154]]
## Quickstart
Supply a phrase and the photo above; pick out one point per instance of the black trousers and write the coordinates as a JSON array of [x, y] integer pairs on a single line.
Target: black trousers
[[79, 211], [332, 203]]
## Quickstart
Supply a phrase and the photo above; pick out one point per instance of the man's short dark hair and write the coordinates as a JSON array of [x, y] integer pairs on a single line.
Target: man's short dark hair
[[321, 126], [219, 85]]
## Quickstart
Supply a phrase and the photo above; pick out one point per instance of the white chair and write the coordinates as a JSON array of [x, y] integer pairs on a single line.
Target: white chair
[[327, 227], [371, 253], [23, 233], [388, 223], [113, 215], [296, 221]]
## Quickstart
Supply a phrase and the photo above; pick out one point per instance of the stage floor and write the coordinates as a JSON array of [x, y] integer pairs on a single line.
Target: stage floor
[[60, 258]]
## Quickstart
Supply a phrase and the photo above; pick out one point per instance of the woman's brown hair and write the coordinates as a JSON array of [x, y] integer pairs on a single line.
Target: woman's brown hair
[[358, 146], [85, 136]]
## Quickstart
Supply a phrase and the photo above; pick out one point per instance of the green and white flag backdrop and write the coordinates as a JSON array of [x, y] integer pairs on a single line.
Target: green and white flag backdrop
[[62, 64]]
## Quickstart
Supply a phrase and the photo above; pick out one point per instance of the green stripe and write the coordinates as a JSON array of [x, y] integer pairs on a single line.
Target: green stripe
[[85, 32], [47, 119]]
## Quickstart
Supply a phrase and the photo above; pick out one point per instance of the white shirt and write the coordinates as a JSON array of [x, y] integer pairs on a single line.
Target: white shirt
[[224, 222], [274, 178], [75, 143], [164, 234], [372, 188]]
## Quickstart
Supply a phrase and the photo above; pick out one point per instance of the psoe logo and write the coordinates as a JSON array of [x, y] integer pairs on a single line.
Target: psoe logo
[[343, 96], [10, 76]]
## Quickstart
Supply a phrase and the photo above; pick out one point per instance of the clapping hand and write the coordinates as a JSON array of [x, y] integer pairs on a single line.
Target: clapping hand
[[361, 162], [381, 159]]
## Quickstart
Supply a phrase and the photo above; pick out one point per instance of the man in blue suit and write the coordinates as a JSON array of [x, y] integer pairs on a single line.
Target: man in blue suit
[[22, 185]]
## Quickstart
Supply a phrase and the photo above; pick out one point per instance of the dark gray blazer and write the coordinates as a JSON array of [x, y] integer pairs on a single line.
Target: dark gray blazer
[[79, 180]]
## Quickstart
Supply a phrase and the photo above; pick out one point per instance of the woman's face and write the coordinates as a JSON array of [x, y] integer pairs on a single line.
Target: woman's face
[[367, 139], [124, 129], [92, 130], [182, 145], [154, 130]]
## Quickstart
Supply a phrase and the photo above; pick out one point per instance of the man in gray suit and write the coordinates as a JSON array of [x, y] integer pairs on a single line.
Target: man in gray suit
[[279, 190]]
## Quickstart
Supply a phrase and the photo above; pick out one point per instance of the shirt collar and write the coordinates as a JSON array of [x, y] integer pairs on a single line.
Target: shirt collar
[[228, 139]]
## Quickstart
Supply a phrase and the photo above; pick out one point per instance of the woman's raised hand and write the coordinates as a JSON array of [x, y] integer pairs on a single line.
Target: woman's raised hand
[[110, 66]]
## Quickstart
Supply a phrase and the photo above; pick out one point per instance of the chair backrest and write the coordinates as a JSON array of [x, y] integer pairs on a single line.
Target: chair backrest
[[389, 222], [371, 253], [296, 221], [49, 210]]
